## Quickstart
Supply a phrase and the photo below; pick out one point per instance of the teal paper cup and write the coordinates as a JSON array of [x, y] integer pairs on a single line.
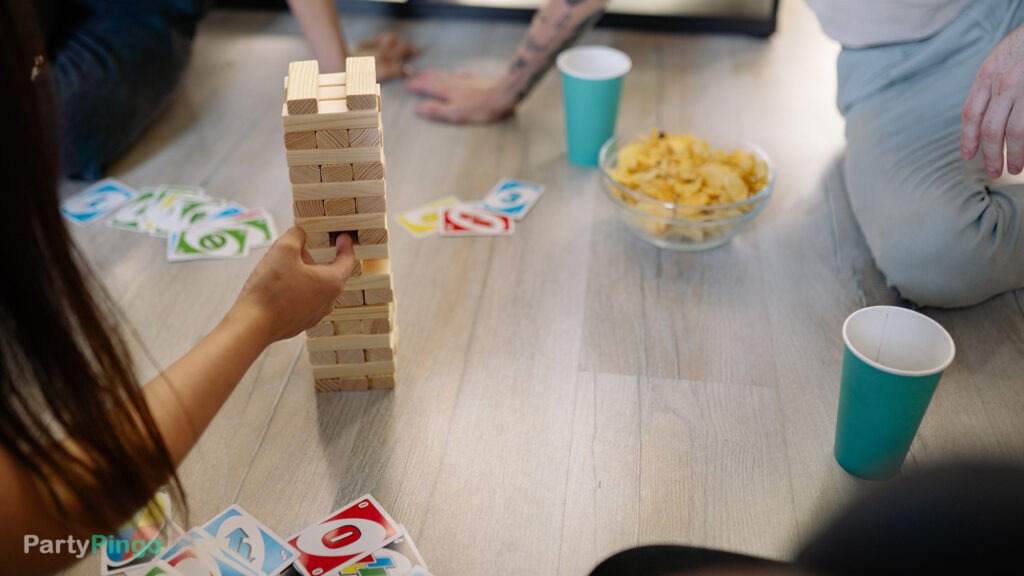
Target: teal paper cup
[[591, 89], [892, 362]]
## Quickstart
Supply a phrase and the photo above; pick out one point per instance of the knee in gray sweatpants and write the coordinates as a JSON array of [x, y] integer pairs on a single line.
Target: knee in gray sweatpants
[[954, 258]]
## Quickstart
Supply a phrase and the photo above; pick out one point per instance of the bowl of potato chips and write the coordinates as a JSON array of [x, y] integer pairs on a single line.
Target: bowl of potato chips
[[685, 191]]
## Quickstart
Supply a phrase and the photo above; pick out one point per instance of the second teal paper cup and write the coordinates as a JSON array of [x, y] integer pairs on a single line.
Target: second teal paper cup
[[591, 89], [892, 363]]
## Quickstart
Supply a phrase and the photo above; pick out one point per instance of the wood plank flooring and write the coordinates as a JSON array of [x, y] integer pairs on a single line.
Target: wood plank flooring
[[570, 391]]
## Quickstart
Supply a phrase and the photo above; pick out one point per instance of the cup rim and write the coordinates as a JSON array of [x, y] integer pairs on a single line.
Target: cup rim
[[622, 68], [896, 371]]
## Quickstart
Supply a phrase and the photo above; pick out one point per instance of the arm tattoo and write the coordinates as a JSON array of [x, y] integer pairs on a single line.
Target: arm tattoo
[[574, 35]]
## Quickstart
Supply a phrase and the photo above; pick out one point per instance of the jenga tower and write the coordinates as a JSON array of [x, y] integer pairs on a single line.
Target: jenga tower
[[334, 145]]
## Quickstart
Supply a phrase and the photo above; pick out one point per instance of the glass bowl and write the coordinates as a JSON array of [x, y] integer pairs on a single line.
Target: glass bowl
[[679, 226]]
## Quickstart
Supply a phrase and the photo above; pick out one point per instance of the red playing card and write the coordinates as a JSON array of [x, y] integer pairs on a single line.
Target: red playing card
[[469, 220], [343, 537]]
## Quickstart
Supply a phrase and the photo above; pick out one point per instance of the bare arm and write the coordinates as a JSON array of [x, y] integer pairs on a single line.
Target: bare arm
[[321, 26], [285, 294], [319, 22], [465, 98]]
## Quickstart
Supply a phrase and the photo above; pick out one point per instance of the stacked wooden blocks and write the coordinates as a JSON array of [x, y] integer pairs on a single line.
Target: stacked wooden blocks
[[334, 146]]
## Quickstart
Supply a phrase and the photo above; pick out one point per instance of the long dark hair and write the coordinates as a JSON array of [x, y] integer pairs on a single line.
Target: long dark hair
[[71, 410]]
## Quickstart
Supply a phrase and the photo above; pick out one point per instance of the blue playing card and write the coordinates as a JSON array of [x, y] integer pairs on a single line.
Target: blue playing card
[[238, 531], [96, 201]]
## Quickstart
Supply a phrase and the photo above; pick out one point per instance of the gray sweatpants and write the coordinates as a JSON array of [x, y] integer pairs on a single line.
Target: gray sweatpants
[[938, 229]]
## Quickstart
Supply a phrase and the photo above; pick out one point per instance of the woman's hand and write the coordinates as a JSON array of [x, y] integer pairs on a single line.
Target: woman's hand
[[287, 293]]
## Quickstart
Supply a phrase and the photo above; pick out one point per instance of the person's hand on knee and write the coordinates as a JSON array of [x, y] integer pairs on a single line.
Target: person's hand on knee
[[994, 110]]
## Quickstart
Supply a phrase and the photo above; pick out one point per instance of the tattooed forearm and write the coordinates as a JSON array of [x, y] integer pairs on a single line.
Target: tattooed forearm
[[546, 54]]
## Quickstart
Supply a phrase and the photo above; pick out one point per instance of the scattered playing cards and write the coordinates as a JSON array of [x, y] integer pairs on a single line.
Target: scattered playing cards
[[196, 226], [508, 202], [359, 538]]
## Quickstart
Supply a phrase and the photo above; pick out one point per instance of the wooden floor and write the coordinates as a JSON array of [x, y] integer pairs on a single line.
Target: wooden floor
[[569, 391]]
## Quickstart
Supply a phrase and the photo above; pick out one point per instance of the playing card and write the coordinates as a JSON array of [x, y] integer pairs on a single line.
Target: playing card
[[513, 198], [141, 539], [399, 558], [343, 537], [208, 240], [96, 201], [131, 215], [259, 224], [262, 549], [474, 220], [177, 211], [229, 209], [425, 220], [199, 555], [159, 568]]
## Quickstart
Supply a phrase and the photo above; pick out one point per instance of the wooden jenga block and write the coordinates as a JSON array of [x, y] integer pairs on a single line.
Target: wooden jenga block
[[371, 251], [308, 208], [331, 139], [361, 83], [339, 206], [336, 172], [344, 327], [322, 156], [372, 274], [371, 205], [303, 174], [373, 235], [333, 115], [374, 326], [324, 358], [350, 342], [347, 189], [318, 240], [348, 384], [367, 170], [364, 137], [344, 223], [359, 313], [351, 356], [326, 254], [350, 370], [350, 298], [382, 381], [303, 85], [378, 296], [301, 140], [332, 79], [368, 282], [331, 93], [379, 354]]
